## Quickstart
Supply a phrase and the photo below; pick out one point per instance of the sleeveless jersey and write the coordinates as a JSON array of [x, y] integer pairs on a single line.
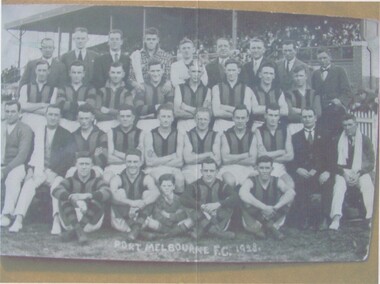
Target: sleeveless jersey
[[39, 96], [238, 146], [231, 96], [133, 190], [126, 141], [201, 145], [191, 98], [114, 99], [273, 142], [269, 196], [163, 147]]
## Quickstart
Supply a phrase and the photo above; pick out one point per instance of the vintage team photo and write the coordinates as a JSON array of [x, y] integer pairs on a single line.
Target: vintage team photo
[[187, 135]]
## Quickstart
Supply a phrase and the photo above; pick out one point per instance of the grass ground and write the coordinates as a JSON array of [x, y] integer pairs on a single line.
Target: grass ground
[[347, 244]]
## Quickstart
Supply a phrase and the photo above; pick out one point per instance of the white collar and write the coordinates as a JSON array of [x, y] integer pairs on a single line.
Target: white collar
[[83, 50], [50, 60]]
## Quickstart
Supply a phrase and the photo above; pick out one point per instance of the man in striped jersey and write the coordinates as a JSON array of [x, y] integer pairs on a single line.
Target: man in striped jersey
[[190, 95], [71, 96], [111, 96], [126, 136], [154, 94], [266, 201], [133, 193], [163, 148], [81, 200]]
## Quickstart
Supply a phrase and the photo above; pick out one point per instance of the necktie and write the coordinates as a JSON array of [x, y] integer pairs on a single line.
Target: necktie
[[287, 66], [80, 57], [255, 66], [310, 137], [116, 59], [324, 73]]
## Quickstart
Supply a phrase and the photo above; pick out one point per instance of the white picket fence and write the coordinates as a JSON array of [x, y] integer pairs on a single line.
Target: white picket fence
[[368, 125]]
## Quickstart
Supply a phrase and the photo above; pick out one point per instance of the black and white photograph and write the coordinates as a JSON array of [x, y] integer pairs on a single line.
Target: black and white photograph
[[164, 134]]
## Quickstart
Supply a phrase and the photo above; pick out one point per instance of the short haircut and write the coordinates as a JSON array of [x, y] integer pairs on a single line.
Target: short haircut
[[83, 154], [116, 31], [272, 106], [308, 109], [209, 160], [203, 109], [86, 108], [154, 62], [42, 62], [81, 29], [240, 107], [232, 61], [133, 152], [152, 31], [77, 63], [300, 68], [264, 159], [185, 40], [128, 107], [268, 64], [257, 39], [46, 39], [56, 106], [166, 106], [290, 42], [13, 102], [166, 177], [116, 65], [196, 62], [223, 38], [348, 116], [322, 50]]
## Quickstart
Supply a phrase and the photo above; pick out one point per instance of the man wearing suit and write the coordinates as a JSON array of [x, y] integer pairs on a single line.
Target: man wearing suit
[[286, 66], [250, 71], [354, 165], [331, 83], [310, 157], [215, 69], [57, 76], [58, 156], [103, 63], [81, 53]]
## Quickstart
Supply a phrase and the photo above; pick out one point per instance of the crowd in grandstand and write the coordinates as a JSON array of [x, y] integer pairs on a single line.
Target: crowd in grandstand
[[159, 147]]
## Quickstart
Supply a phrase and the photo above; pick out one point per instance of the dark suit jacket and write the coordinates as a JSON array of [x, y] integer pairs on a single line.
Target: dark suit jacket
[[336, 85], [285, 79], [69, 57], [309, 156], [215, 73], [102, 65], [57, 74], [62, 151], [251, 79]]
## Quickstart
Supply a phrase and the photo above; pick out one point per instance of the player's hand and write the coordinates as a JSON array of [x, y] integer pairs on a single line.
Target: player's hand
[[166, 88], [268, 212], [312, 172], [98, 151], [139, 87], [211, 207], [104, 110], [303, 173], [165, 214], [324, 177], [138, 204], [81, 204], [336, 102]]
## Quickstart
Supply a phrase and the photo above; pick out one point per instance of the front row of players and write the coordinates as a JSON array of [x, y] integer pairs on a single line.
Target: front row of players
[[253, 161]]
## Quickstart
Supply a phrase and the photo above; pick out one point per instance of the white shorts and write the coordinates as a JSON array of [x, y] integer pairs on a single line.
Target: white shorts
[[240, 173], [70, 125], [148, 124], [156, 172], [115, 169], [278, 170], [106, 126], [295, 127], [186, 124], [192, 173], [221, 125]]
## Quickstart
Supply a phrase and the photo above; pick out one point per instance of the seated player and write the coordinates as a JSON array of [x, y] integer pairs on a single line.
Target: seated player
[[16, 149], [75, 94], [89, 138], [229, 94], [50, 169], [163, 148], [200, 143], [111, 97], [190, 95], [133, 195], [81, 200], [169, 218], [238, 148], [266, 201], [126, 136], [210, 203], [301, 97], [267, 93], [274, 140], [154, 94], [354, 165]]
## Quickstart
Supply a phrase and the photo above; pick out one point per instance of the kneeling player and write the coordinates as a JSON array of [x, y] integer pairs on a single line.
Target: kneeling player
[[81, 200], [210, 203], [133, 193], [169, 218], [266, 201]]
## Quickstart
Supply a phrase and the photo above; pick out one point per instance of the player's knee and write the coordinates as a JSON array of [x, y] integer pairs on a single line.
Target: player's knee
[[229, 179]]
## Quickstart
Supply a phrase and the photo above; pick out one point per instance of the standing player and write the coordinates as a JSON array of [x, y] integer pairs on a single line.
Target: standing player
[[210, 203], [201, 143], [229, 94], [191, 95], [133, 194], [164, 148], [266, 201]]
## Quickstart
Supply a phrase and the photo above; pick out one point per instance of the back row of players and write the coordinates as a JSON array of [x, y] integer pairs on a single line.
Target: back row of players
[[188, 132]]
